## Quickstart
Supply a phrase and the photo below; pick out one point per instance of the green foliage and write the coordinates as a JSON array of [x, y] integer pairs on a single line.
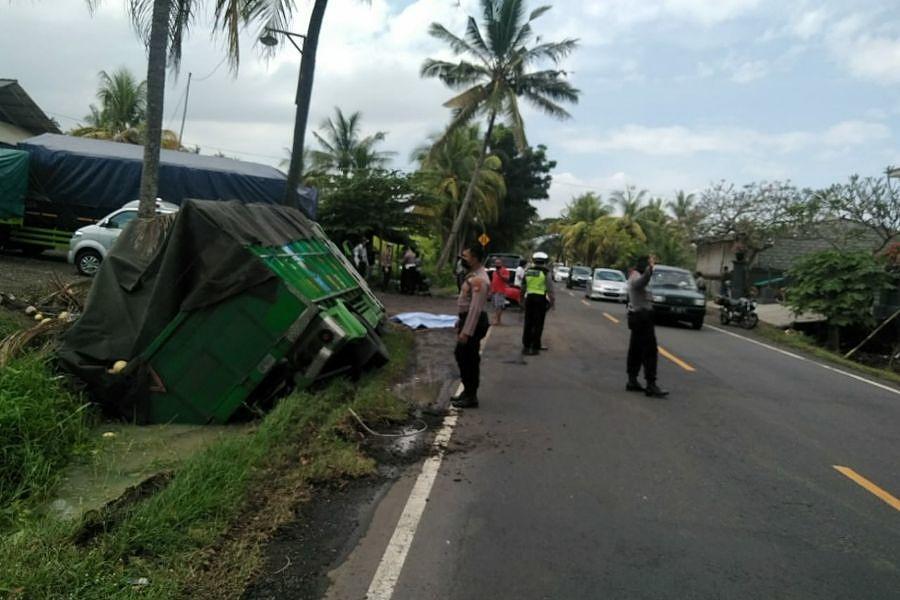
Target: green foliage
[[527, 177], [158, 537], [500, 72], [367, 203], [41, 423], [446, 172], [839, 285], [344, 150]]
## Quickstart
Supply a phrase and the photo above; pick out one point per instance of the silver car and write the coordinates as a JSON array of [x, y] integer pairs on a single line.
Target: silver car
[[89, 245], [608, 284]]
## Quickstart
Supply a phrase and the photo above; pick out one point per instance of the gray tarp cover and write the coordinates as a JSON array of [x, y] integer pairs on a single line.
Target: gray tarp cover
[[202, 261]]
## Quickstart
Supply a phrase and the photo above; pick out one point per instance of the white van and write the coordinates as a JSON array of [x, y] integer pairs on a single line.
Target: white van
[[89, 245]]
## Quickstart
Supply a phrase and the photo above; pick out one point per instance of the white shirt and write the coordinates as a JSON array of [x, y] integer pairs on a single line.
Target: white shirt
[[360, 255], [520, 276]]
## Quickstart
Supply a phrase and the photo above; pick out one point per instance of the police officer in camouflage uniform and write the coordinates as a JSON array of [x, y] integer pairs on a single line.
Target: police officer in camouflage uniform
[[537, 298]]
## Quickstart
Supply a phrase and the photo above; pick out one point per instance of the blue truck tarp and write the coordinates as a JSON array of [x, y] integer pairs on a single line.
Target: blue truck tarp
[[80, 179]]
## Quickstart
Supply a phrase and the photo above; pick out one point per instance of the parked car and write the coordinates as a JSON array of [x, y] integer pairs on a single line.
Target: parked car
[[608, 284], [579, 277], [676, 297], [89, 245], [509, 260], [561, 273]]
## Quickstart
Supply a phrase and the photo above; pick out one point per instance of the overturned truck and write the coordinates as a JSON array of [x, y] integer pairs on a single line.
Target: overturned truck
[[233, 306]]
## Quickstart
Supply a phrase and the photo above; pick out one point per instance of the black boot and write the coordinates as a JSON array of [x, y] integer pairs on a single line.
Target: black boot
[[464, 400], [634, 385], [654, 390]]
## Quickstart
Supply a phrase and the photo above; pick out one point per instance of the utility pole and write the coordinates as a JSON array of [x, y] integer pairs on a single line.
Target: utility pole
[[187, 95]]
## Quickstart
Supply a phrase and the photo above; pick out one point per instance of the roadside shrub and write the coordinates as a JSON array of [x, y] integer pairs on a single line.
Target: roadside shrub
[[40, 424], [839, 285]]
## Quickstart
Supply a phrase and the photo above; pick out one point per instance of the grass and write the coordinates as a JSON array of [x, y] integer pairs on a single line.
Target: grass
[[800, 341], [162, 537], [41, 424]]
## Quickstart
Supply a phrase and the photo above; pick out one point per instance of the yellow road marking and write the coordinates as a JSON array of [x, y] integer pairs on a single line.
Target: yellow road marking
[[585, 302], [676, 360], [611, 318], [868, 485]]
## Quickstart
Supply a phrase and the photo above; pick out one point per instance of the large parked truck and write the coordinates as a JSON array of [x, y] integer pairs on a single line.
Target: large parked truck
[[51, 185]]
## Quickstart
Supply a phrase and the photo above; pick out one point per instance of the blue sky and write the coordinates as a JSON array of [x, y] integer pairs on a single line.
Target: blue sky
[[675, 93]]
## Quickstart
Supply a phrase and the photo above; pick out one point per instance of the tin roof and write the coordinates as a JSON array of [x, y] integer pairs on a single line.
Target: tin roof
[[17, 108]]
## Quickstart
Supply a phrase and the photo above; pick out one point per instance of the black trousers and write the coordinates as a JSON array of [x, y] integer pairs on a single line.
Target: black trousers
[[468, 355], [642, 348], [536, 306]]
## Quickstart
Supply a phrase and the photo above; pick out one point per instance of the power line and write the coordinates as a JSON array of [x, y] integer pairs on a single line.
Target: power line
[[213, 72]]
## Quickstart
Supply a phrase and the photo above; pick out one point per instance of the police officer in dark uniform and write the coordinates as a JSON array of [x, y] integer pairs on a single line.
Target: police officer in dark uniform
[[538, 298]]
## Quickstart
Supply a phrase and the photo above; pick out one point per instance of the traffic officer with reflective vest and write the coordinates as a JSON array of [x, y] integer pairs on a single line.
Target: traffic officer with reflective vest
[[538, 298]]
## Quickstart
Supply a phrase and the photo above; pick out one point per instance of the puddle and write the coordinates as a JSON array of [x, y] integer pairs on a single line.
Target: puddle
[[126, 455]]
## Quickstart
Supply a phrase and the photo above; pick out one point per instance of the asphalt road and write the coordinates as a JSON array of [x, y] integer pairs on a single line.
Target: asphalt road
[[564, 486]]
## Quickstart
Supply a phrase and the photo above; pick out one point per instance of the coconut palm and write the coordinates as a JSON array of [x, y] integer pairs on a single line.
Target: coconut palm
[[344, 150], [682, 206], [164, 25], [630, 200], [586, 207], [497, 73], [446, 173]]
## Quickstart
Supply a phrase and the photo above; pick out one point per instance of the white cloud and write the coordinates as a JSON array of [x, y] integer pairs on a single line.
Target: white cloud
[[677, 140], [810, 23]]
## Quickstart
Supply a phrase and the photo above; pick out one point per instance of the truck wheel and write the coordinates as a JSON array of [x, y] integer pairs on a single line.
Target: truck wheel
[[88, 262], [697, 323]]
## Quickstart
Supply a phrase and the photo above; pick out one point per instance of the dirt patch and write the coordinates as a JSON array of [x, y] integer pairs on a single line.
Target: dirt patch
[[28, 277]]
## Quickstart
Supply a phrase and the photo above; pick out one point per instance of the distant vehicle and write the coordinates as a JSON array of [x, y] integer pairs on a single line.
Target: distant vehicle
[[741, 311], [89, 245], [561, 273], [608, 284], [676, 297], [509, 260], [579, 277]]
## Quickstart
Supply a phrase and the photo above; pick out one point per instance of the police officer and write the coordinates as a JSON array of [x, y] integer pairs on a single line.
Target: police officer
[[537, 294], [642, 349], [472, 325]]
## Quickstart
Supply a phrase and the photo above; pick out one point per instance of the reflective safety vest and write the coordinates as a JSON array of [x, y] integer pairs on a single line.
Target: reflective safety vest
[[536, 282]]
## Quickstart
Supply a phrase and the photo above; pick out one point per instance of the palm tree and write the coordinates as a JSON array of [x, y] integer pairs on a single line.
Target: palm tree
[[164, 25], [343, 150], [447, 171], [682, 206], [121, 116], [586, 207], [630, 200], [495, 79]]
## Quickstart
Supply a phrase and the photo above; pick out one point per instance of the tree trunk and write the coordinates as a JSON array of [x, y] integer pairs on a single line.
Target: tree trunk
[[156, 90], [834, 338], [304, 96], [467, 200]]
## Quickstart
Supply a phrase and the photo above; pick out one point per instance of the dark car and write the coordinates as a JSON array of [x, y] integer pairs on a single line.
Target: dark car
[[579, 276], [509, 260], [675, 296]]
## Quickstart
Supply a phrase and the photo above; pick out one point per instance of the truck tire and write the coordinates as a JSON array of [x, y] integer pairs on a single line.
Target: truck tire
[[697, 323], [88, 262]]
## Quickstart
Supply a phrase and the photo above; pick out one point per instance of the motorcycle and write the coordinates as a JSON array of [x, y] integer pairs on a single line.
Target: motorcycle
[[741, 311]]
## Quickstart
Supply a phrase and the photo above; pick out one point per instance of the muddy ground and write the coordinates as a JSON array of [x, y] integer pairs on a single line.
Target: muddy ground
[[27, 277], [325, 529]]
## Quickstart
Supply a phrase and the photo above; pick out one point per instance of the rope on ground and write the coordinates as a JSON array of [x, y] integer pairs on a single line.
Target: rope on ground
[[370, 431]]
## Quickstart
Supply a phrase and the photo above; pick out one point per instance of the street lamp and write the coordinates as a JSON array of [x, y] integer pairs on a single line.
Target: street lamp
[[267, 39]]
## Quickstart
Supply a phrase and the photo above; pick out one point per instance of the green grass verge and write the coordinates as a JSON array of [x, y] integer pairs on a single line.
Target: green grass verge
[[800, 341], [42, 424], [158, 537]]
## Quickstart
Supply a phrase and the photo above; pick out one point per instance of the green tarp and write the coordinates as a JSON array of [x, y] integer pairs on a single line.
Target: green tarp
[[13, 183]]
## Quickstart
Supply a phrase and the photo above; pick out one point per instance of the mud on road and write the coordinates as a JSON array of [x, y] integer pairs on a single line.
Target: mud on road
[[27, 277]]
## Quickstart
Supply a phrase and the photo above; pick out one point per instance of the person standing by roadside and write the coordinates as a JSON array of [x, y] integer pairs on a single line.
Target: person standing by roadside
[[472, 326], [642, 348], [361, 258], [538, 298], [498, 290], [520, 273], [386, 263], [407, 271], [701, 282]]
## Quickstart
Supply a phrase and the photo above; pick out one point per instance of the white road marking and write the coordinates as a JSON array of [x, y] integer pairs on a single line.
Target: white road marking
[[586, 303], [571, 294], [389, 568], [803, 358]]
